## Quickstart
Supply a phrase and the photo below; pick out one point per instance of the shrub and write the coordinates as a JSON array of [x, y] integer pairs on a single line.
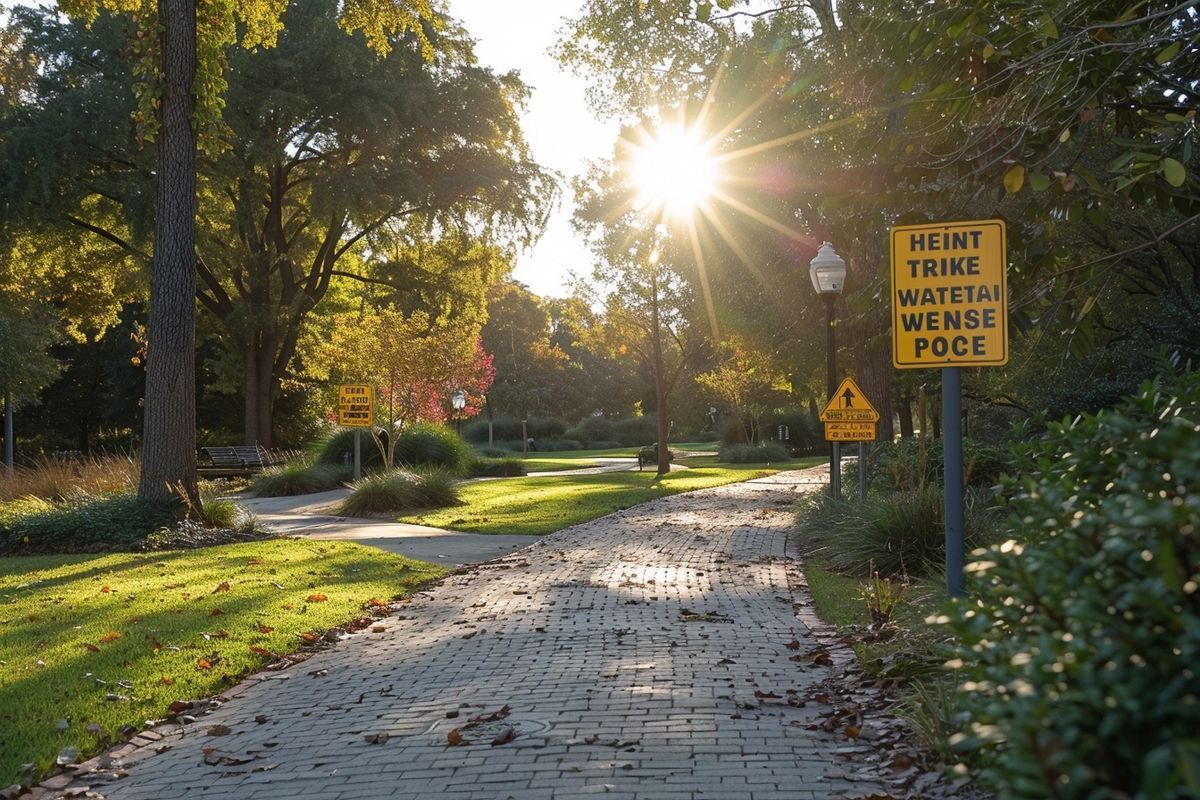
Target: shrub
[[603, 444], [510, 429], [423, 445], [496, 468], [649, 454], [766, 452], [897, 465], [401, 490], [85, 524], [300, 478], [419, 445], [338, 450], [492, 451], [555, 445], [806, 432], [896, 533], [1077, 657]]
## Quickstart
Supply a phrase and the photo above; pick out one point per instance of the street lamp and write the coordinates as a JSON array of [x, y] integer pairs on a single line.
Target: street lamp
[[828, 273], [459, 401]]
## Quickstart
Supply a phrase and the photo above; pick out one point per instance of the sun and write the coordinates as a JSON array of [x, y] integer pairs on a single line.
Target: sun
[[674, 171]]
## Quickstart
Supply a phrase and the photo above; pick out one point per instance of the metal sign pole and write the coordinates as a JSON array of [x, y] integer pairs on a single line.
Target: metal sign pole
[[358, 454], [862, 471], [956, 584], [835, 472]]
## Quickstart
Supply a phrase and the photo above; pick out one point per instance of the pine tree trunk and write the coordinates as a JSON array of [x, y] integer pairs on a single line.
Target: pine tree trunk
[[169, 432], [904, 410]]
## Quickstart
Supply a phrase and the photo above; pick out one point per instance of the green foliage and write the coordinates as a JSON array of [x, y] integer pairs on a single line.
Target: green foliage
[[649, 454], [300, 478], [899, 465], [338, 449], [423, 445], [766, 452], [896, 533], [806, 433], [401, 490], [419, 445], [85, 524], [508, 429], [496, 468], [1078, 650]]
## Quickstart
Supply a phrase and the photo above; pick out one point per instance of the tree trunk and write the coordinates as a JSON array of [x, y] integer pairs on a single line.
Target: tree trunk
[[259, 388], [660, 377], [904, 409], [169, 432]]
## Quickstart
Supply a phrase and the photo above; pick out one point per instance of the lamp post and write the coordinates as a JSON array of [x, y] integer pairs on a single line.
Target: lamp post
[[828, 273], [459, 401]]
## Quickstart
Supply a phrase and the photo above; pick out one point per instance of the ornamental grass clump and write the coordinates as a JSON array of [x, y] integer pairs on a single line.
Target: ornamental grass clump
[[401, 490], [1079, 650], [893, 533], [300, 478]]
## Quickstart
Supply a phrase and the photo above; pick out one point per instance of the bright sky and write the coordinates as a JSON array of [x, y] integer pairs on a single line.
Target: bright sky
[[561, 131], [558, 125]]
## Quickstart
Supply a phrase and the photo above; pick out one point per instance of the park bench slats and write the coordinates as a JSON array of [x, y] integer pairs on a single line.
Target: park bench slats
[[237, 460]]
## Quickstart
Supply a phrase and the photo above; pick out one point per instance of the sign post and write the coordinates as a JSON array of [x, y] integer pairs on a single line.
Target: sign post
[[950, 310], [356, 409], [849, 417]]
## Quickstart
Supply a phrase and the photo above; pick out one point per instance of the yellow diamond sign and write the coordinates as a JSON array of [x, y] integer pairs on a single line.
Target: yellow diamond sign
[[849, 404]]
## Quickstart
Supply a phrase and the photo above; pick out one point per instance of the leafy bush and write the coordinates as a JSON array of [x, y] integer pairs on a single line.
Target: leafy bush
[[766, 452], [85, 524], [401, 490], [898, 466], [627, 432], [496, 468], [419, 445], [1078, 653], [423, 445], [604, 444], [492, 451], [338, 450], [896, 533], [299, 478], [510, 429], [806, 432], [649, 454], [555, 445]]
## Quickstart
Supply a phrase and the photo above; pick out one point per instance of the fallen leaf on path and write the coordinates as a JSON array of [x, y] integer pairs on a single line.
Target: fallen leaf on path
[[506, 735], [219, 730], [794, 644], [455, 738]]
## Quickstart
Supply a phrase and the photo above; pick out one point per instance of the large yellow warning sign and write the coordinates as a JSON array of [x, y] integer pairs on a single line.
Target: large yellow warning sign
[[949, 295], [356, 405]]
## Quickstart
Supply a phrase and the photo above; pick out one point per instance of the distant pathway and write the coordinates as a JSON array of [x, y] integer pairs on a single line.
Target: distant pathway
[[307, 516], [643, 655]]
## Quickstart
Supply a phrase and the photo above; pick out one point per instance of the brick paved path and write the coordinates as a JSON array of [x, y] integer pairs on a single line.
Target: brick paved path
[[629, 650]]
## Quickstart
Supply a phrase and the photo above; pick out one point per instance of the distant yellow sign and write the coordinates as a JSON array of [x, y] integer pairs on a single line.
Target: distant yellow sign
[[849, 431], [949, 295], [356, 405], [849, 404]]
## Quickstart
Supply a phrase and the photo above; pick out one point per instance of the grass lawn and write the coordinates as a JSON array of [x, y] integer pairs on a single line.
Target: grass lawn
[[550, 503], [89, 644], [575, 456]]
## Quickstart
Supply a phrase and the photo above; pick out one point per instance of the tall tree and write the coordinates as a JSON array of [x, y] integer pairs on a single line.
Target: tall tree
[[181, 53], [373, 158]]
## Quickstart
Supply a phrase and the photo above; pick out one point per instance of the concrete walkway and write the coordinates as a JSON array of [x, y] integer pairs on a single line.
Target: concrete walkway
[[644, 655], [307, 516]]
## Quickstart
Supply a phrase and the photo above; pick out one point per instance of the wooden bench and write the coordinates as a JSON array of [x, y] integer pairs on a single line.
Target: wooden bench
[[230, 461]]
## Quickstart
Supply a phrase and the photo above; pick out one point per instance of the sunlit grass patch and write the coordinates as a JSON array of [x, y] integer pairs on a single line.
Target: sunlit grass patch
[[549, 503], [107, 641]]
